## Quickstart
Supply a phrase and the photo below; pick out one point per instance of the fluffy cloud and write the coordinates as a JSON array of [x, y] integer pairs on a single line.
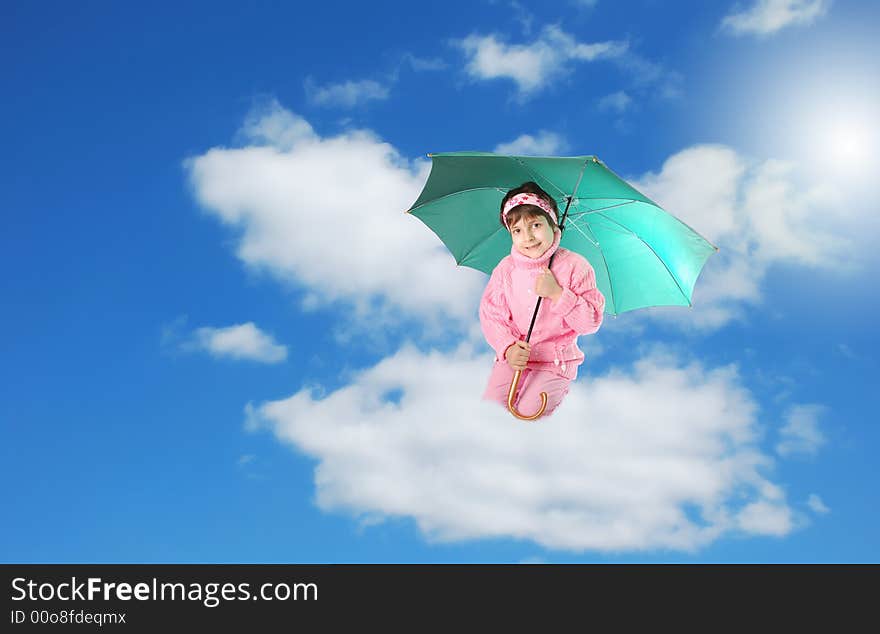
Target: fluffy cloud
[[544, 143], [347, 94], [817, 505], [758, 213], [353, 93], [327, 213], [661, 455], [765, 17], [243, 341], [615, 102], [239, 342], [801, 434], [533, 64]]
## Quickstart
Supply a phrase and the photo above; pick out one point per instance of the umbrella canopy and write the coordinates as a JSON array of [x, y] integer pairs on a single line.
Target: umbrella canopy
[[642, 255]]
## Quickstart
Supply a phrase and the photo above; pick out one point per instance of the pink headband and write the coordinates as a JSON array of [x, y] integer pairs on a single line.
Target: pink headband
[[528, 199]]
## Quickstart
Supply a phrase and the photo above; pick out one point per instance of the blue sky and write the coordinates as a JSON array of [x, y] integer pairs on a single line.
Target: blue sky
[[225, 342]]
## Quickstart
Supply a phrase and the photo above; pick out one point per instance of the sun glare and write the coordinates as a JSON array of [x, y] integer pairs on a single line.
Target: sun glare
[[847, 138], [849, 143], [825, 118]]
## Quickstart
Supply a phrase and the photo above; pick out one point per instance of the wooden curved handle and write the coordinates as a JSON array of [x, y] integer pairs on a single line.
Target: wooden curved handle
[[511, 397]]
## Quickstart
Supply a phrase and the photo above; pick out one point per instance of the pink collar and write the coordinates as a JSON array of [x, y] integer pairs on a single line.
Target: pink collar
[[525, 262]]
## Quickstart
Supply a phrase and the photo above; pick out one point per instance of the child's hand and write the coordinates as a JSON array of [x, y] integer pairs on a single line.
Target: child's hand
[[517, 355], [547, 286]]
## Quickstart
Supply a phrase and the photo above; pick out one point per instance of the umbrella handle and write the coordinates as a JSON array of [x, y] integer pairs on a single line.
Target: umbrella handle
[[511, 397]]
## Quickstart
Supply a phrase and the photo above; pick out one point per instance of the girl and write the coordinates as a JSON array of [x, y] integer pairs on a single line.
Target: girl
[[572, 306]]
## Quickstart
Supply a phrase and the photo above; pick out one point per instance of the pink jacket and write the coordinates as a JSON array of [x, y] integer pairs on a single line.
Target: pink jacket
[[509, 301]]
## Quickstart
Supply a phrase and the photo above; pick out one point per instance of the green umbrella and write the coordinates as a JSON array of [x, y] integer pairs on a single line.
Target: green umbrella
[[642, 255]]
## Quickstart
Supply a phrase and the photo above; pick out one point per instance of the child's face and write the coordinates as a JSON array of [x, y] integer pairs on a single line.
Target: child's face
[[532, 236]]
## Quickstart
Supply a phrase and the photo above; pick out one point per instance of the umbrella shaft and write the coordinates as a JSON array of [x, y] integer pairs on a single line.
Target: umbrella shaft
[[549, 264]]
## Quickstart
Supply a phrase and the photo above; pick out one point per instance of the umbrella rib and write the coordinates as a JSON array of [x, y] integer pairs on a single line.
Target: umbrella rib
[[580, 176], [460, 191], [647, 202], [671, 274], [538, 176], [596, 242], [607, 270], [481, 242], [590, 211]]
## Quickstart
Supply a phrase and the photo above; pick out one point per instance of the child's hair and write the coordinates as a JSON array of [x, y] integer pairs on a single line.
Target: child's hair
[[527, 211]]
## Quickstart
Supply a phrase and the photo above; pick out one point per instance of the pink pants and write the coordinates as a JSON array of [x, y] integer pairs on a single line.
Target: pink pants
[[531, 384]]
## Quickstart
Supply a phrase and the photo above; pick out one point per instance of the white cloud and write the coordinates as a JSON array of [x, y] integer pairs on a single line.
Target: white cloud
[[347, 94], [765, 17], [274, 126], [662, 455], [327, 213], [527, 64], [817, 505], [616, 101], [537, 62], [544, 143], [353, 93], [766, 518], [521, 14], [781, 214], [801, 434], [243, 341], [758, 213], [646, 73]]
